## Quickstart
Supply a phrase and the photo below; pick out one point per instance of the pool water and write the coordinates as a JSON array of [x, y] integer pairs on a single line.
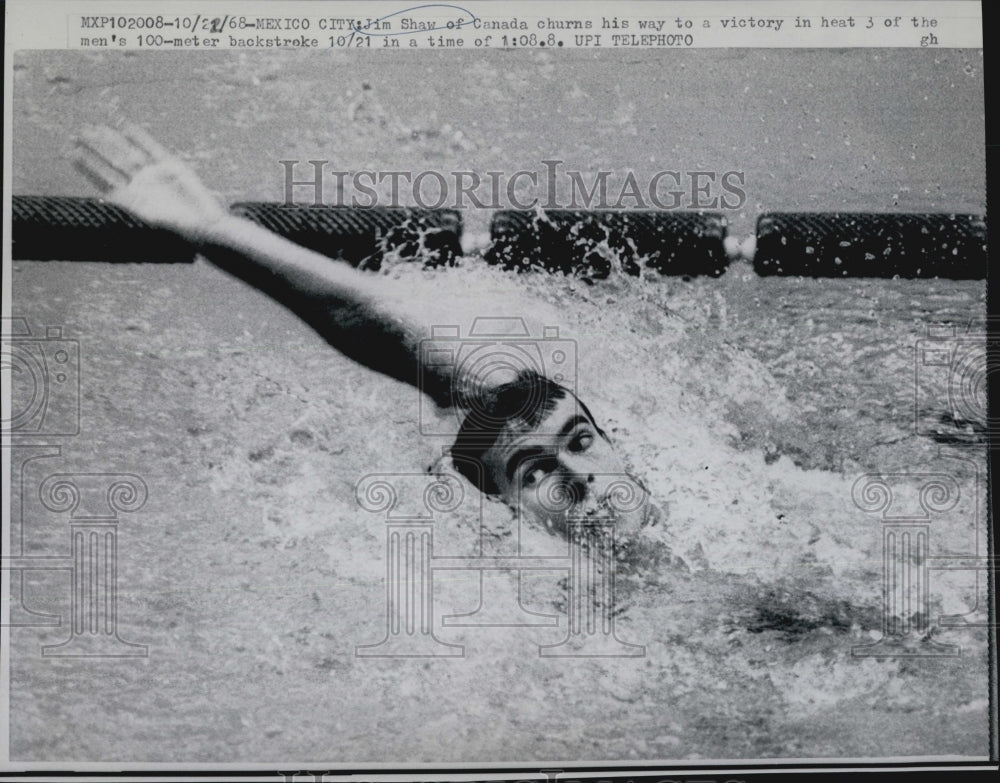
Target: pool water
[[749, 406], [253, 569]]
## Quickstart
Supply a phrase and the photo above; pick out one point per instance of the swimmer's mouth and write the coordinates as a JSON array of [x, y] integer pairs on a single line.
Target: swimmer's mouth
[[648, 515]]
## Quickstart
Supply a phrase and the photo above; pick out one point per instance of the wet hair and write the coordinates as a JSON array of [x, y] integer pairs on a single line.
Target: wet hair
[[523, 403]]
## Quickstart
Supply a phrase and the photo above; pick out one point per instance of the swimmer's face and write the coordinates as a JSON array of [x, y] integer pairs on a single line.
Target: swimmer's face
[[565, 454]]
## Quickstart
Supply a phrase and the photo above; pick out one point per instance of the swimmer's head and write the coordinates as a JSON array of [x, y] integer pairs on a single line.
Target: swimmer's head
[[535, 445]]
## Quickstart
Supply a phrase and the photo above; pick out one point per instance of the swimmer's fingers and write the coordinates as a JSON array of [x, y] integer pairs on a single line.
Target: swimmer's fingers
[[140, 176], [143, 141], [102, 174], [115, 149]]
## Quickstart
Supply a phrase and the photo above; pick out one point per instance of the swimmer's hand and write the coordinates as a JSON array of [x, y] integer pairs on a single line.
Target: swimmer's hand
[[134, 172]]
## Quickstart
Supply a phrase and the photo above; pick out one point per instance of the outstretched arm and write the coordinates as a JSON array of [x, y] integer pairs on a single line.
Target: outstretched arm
[[347, 307]]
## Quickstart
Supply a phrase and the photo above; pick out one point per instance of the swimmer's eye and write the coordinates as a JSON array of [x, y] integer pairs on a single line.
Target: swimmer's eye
[[581, 441], [536, 472], [533, 477]]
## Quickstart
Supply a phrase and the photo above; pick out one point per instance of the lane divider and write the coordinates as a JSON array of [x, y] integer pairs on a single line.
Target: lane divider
[[590, 243], [594, 242], [853, 244]]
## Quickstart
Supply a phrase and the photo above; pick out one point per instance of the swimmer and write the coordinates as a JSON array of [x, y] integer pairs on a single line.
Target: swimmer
[[523, 438]]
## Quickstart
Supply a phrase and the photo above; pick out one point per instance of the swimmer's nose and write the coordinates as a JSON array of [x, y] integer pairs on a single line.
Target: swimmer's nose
[[578, 467], [581, 481], [589, 488]]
